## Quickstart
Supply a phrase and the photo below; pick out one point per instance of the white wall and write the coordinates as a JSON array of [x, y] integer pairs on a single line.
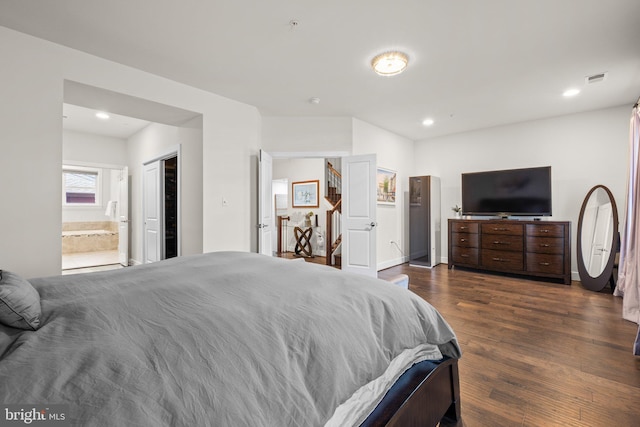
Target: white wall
[[582, 149], [31, 142], [91, 148], [396, 153], [294, 134], [80, 148], [150, 143]]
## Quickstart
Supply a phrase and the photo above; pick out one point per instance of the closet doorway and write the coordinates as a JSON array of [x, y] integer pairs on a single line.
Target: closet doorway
[[161, 207]]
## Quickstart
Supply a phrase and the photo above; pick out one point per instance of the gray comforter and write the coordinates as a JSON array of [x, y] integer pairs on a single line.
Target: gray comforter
[[221, 339]]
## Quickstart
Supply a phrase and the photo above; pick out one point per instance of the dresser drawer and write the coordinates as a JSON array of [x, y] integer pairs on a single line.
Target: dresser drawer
[[465, 240], [468, 256], [464, 227], [550, 230], [545, 245], [502, 242], [503, 260], [545, 263], [496, 228]]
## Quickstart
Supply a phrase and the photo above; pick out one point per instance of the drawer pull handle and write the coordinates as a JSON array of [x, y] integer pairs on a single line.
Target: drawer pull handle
[[544, 245], [498, 242], [463, 240], [500, 229], [463, 228], [544, 230], [500, 259], [464, 255], [546, 264]]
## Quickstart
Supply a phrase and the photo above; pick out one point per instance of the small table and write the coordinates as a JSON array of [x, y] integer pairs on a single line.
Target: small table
[[303, 241]]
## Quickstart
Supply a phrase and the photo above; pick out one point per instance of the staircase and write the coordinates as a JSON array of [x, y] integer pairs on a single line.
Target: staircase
[[334, 216]]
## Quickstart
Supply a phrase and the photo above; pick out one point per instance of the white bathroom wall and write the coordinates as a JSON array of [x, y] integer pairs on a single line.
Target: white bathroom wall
[[86, 149], [91, 148]]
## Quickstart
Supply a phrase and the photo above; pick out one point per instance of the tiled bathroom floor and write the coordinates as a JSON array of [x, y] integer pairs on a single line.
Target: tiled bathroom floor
[[89, 261]]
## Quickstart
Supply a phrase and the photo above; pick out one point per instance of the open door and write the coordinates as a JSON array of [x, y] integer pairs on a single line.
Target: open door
[[123, 218], [152, 211], [266, 219], [359, 214]]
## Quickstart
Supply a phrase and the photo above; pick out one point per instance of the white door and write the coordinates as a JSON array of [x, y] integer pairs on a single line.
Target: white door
[[123, 217], [152, 211], [359, 214], [266, 219]]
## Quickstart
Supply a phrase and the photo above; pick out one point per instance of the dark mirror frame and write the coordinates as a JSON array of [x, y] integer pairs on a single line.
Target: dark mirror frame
[[589, 282]]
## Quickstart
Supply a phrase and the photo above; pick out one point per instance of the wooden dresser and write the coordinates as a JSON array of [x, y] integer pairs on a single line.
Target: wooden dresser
[[533, 248]]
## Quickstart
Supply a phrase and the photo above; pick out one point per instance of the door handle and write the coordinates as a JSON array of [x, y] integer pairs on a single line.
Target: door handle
[[373, 224]]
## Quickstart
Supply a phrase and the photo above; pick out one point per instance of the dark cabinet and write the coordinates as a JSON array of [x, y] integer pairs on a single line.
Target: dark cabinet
[[534, 248], [424, 221]]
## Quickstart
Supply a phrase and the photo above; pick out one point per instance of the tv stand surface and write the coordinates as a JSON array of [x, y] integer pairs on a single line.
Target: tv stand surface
[[528, 247]]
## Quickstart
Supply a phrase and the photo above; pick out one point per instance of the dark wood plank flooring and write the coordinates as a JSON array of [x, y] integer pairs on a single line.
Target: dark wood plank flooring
[[535, 353]]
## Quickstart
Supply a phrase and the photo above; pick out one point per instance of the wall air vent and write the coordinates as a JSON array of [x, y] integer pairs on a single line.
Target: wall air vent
[[596, 78]]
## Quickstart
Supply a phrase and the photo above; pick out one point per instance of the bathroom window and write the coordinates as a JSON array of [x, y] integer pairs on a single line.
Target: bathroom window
[[80, 186]]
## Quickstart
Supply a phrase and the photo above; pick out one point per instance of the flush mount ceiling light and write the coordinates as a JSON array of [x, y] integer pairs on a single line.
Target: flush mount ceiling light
[[390, 63], [102, 115], [428, 122]]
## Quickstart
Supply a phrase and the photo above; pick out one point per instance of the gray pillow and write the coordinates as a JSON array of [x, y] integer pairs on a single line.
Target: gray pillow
[[19, 302]]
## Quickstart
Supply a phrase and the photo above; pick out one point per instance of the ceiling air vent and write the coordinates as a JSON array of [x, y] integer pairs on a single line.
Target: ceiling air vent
[[596, 78]]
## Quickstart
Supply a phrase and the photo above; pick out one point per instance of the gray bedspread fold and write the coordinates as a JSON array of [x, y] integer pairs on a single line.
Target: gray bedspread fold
[[220, 339]]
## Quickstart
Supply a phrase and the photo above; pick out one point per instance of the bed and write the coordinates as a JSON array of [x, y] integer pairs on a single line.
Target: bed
[[230, 339]]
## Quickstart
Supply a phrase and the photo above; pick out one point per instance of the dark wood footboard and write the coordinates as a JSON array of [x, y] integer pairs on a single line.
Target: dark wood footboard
[[430, 399]]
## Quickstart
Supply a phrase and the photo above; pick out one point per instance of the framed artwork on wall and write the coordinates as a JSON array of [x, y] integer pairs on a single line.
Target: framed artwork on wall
[[386, 182], [305, 194]]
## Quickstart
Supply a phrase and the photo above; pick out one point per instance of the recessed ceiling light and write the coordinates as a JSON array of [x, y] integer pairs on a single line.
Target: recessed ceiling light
[[571, 92], [427, 122], [390, 63], [102, 115], [314, 100]]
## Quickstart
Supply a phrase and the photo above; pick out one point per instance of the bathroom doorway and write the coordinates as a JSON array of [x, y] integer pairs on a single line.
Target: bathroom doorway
[[95, 230]]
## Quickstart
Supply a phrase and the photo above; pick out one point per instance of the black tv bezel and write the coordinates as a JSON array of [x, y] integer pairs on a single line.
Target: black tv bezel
[[508, 214]]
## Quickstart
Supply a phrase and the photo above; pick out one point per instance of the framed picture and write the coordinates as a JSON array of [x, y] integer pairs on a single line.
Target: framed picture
[[305, 194], [386, 182]]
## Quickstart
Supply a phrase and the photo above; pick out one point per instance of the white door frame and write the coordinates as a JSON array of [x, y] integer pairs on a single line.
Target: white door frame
[[123, 217], [174, 151], [266, 210]]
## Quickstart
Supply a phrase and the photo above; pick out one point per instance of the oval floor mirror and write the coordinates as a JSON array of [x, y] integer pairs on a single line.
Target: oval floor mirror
[[597, 238]]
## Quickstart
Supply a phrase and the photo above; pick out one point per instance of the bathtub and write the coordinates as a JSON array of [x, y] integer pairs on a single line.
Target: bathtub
[[89, 237]]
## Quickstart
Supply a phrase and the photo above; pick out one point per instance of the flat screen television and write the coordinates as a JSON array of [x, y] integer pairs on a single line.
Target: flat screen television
[[513, 192]]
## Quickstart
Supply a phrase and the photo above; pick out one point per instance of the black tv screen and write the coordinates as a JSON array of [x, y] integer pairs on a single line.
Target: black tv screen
[[517, 192]]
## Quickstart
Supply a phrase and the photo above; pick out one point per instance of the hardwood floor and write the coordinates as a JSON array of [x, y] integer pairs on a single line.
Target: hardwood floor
[[535, 353]]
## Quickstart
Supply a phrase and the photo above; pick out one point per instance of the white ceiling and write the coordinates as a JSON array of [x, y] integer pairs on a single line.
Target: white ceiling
[[81, 119], [473, 64]]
